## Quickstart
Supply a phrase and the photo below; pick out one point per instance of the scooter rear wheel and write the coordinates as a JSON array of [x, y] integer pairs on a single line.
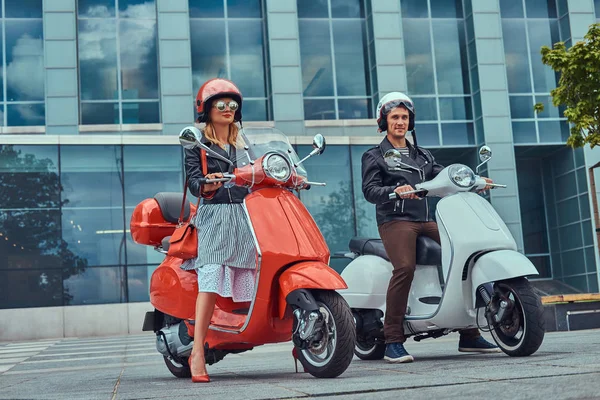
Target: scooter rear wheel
[[180, 370], [369, 351]]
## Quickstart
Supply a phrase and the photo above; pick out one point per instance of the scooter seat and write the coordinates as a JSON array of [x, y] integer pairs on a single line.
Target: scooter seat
[[429, 252], [170, 206]]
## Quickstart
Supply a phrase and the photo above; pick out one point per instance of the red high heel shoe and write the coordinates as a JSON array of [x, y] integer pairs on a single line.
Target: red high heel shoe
[[295, 356], [198, 378]]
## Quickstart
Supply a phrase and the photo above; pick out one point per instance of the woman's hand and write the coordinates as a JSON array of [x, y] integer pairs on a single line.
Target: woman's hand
[[211, 187], [406, 188]]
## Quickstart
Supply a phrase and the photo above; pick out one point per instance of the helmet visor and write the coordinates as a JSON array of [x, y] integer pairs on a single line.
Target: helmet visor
[[390, 105]]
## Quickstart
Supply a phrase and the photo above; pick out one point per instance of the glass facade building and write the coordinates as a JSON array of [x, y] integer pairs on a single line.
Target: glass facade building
[[94, 93]]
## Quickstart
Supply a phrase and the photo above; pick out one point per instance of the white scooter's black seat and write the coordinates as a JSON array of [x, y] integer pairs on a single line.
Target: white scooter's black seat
[[170, 206], [429, 252]]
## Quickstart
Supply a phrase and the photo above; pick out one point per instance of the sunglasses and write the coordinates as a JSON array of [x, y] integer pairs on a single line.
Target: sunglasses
[[222, 106]]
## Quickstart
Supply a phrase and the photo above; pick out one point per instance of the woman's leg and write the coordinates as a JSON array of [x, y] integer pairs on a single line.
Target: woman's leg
[[205, 306]]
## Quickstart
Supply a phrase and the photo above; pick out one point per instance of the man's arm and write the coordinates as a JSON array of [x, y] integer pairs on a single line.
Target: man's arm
[[372, 184]]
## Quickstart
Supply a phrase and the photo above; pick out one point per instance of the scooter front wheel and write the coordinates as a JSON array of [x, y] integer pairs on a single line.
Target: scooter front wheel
[[522, 331], [331, 356]]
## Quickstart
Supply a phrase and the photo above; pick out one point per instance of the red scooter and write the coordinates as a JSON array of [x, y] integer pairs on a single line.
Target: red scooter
[[295, 294]]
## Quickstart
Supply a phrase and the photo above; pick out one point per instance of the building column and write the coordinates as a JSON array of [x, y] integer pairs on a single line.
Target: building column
[[177, 95], [285, 67], [60, 55], [389, 47], [497, 126]]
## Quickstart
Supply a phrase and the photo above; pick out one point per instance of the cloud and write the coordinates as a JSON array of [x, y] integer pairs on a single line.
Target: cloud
[[25, 73]]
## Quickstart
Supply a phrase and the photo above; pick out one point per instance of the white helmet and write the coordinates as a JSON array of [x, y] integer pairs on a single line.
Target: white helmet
[[391, 101]]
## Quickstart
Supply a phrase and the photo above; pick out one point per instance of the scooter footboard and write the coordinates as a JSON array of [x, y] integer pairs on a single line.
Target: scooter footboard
[[498, 266], [307, 275]]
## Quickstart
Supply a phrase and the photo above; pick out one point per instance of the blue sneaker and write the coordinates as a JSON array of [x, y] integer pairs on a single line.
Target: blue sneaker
[[477, 345], [396, 353]]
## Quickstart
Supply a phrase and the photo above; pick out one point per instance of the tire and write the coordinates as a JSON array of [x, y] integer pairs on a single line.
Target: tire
[[369, 351], [337, 354], [527, 319], [180, 370]]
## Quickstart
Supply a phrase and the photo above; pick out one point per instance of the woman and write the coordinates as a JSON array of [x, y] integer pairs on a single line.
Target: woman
[[226, 259]]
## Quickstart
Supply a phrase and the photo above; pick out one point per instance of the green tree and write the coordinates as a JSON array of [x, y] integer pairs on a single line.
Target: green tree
[[579, 86]]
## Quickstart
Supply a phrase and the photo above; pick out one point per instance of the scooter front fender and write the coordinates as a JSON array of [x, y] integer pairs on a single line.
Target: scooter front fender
[[307, 275], [500, 265]]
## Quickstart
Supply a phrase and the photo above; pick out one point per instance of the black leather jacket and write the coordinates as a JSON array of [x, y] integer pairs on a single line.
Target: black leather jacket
[[379, 180], [193, 171]]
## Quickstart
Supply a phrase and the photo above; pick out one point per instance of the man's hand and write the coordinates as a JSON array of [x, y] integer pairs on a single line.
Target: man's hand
[[406, 188], [211, 187], [488, 187]]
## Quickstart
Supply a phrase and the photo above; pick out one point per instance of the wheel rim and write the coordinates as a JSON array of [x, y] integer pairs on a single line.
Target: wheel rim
[[510, 334], [364, 348], [322, 354], [175, 363]]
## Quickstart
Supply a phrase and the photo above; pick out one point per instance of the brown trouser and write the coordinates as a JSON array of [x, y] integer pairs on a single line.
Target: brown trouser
[[400, 241]]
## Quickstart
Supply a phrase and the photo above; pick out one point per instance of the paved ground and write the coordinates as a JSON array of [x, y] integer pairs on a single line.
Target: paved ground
[[567, 366]]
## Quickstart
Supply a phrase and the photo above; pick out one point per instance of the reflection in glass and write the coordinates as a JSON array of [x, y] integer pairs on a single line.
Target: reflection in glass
[[255, 110], [97, 42], [315, 53], [542, 33], [139, 59], [331, 205], [99, 113], [206, 9], [246, 52], [414, 9], [455, 108], [96, 8], [104, 285], [142, 9], [347, 9], [597, 6], [564, 27], [427, 134], [354, 108], [419, 63], [450, 57], [511, 8], [446, 9], [319, 109], [540, 9], [24, 61], [458, 133], [26, 114], [349, 43], [141, 113], [208, 50], [244, 9], [550, 111], [312, 9], [524, 132], [23, 8], [517, 60], [32, 288], [366, 224], [426, 108], [521, 107], [553, 131], [138, 283]]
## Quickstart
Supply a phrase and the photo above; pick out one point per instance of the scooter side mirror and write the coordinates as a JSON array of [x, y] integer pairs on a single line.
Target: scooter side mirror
[[190, 137], [319, 143], [485, 155]]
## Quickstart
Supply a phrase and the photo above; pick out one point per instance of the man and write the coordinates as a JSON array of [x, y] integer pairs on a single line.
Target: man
[[400, 222]]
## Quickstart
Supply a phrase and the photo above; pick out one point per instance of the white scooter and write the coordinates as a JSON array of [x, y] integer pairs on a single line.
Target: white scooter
[[476, 269]]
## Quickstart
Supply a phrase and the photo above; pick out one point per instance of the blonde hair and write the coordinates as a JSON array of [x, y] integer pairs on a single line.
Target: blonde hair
[[232, 137]]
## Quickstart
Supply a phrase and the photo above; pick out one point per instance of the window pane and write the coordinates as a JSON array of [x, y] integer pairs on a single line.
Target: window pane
[[550, 111], [331, 206], [458, 133], [315, 54], [446, 8], [96, 8], [319, 109], [347, 9], [139, 60], [137, 9], [426, 108], [1, 80], [244, 9], [23, 8], [37, 288], [524, 132], [208, 51], [597, 5], [255, 110], [542, 33], [540, 8], [141, 113], [542, 264], [414, 9], [563, 7], [553, 131], [206, 9], [419, 63], [427, 134], [455, 108], [97, 42], [246, 52], [23, 171], [521, 107], [366, 225], [24, 60], [312, 9], [350, 56], [97, 286], [26, 114], [138, 283], [511, 8], [354, 108], [451, 57], [515, 51], [565, 28], [31, 239], [99, 113]]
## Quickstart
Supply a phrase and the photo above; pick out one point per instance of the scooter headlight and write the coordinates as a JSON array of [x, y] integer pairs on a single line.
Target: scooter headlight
[[462, 175], [277, 167]]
